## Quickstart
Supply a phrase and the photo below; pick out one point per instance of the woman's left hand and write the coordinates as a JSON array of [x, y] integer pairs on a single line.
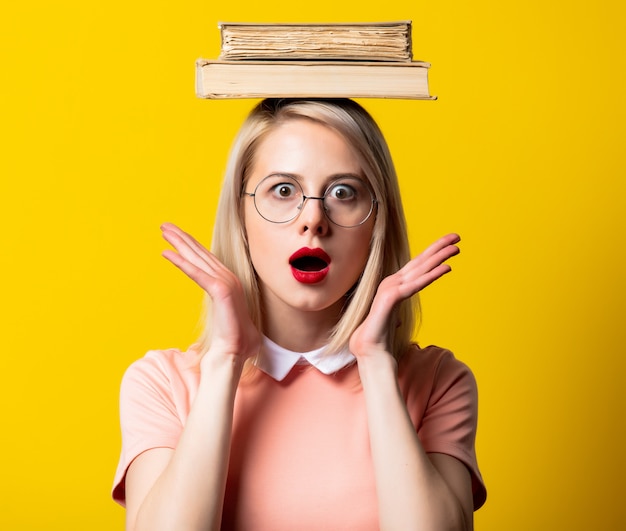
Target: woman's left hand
[[371, 337]]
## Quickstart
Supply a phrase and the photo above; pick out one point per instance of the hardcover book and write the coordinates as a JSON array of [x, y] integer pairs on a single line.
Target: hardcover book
[[378, 41], [350, 79]]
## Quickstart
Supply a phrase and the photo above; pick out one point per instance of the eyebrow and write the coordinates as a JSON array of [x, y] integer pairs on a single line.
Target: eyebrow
[[329, 179]]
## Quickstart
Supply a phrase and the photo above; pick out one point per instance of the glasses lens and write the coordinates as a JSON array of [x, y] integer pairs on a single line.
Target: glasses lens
[[278, 198], [348, 202]]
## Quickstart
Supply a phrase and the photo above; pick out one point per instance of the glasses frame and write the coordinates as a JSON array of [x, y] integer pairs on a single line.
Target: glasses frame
[[300, 207]]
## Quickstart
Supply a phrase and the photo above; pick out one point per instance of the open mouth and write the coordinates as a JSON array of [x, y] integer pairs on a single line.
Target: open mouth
[[309, 265], [306, 259]]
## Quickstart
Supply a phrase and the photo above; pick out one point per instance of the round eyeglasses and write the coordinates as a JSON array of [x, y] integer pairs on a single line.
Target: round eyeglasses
[[348, 201]]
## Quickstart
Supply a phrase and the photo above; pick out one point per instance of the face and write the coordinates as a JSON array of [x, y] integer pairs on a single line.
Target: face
[[308, 263]]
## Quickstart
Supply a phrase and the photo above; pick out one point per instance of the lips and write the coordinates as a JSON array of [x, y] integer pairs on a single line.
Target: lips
[[309, 266]]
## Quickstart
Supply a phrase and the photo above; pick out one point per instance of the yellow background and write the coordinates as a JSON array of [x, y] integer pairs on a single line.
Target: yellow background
[[523, 155]]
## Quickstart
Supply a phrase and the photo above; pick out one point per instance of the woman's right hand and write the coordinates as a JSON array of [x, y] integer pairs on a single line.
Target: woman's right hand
[[233, 332]]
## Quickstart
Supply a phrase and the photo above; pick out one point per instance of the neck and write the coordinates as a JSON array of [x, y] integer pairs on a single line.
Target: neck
[[299, 330]]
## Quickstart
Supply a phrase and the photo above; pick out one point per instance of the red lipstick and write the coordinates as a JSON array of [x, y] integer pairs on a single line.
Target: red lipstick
[[309, 266]]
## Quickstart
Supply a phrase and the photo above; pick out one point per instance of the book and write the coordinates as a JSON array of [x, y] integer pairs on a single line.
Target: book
[[218, 79], [377, 41]]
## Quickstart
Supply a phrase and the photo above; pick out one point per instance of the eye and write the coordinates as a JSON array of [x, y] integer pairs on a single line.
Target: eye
[[283, 190], [341, 192]]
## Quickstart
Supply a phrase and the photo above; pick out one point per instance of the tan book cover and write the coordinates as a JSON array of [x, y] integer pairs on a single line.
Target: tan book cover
[[217, 79]]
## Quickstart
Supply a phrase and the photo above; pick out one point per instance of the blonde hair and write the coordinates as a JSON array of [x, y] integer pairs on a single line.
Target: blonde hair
[[389, 247]]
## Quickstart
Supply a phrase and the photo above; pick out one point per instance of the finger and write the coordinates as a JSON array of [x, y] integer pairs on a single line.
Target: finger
[[428, 278], [449, 240], [198, 275], [191, 249], [171, 231], [185, 251], [442, 255], [422, 264], [417, 274], [193, 252], [438, 252]]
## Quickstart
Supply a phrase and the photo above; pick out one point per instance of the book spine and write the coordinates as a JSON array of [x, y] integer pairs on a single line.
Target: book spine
[[409, 40], [200, 92]]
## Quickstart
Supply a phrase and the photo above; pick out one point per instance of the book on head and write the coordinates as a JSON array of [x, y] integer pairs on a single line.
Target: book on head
[[216, 79], [376, 41], [351, 60]]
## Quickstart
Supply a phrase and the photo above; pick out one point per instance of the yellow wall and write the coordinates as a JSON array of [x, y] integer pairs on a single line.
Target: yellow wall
[[523, 155]]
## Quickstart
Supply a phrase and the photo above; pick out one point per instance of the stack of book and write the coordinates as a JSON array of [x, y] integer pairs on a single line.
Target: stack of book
[[353, 60]]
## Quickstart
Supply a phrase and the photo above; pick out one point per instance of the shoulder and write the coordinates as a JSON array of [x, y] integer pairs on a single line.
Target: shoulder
[[163, 377], [432, 367], [162, 365], [436, 384]]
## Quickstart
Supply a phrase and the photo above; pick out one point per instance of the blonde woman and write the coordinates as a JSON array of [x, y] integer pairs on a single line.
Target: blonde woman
[[305, 405]]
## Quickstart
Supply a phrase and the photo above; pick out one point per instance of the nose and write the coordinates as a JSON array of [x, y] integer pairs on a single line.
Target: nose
[[312, 216]]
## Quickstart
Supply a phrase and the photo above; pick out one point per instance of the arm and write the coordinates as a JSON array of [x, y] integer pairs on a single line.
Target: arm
[[415, 490], [184, 488]]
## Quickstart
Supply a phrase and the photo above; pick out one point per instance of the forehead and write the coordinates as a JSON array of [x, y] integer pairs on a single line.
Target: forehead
[[305, 148]]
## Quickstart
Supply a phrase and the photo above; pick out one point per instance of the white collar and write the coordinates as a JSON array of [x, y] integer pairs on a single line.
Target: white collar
[[277, 361]]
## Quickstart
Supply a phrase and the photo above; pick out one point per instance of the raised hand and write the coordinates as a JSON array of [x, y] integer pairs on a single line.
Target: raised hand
[[371, 336], [233, 332]]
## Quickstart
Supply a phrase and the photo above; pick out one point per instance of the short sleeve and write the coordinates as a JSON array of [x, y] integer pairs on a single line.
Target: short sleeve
[[149, 416], [442, 399]]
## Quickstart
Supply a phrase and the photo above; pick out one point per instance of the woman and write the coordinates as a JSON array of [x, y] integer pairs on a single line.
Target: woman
[[305, 405]]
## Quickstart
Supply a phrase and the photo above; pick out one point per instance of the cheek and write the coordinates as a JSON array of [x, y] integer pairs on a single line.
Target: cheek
[[365, 236], [357, 252], [363, 254], [262, 245]]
